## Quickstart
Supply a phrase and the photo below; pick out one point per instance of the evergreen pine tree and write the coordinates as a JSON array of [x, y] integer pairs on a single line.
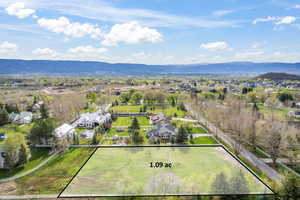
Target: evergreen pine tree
[[135, 124], [44, 111], [94, 139], [4, 116], [182, 135], [23, 154]]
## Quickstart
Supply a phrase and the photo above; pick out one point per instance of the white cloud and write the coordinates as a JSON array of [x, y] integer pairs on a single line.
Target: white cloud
[[276, 20], [286, 20], [18, 9], [131, 33], [297, 6], [267, 19], [45, 52], [220, 13], [215, 46], [87, 50], [63, 25], [7, 48]]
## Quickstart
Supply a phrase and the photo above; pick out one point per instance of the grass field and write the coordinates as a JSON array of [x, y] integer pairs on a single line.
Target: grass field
[[169, 111], [52, 177], [126, 109], [37, 156], [186, 170], [126, 121], [204, 140]]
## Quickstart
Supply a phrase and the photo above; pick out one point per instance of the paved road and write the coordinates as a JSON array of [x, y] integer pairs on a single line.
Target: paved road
[[184, 119], [201, 135], [29, 171], [258, 163], [47, 196]]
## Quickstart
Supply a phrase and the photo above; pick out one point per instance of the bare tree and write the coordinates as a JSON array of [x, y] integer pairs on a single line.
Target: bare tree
[[274, 132]]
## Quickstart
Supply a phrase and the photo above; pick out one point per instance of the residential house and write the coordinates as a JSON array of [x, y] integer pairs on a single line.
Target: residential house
[[163, 132], [294, 114], [64, 131], [155, 119], [21, 118], [91, 120]]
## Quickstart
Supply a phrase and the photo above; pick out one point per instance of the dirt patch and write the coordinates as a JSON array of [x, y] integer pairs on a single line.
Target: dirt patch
[[8, 188]]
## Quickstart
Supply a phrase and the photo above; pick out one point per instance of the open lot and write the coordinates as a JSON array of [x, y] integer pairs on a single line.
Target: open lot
[[127, 171]]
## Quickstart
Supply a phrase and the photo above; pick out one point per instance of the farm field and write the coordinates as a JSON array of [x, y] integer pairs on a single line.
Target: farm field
[[127, 171]]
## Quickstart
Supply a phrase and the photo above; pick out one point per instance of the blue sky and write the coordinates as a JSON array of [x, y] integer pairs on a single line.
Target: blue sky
[[152, 31]]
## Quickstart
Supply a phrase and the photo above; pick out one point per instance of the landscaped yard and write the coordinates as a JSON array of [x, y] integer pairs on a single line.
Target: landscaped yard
[[126, 121], [169, 111], [204, 140], [38, 155], [53, 177], [12, 128]]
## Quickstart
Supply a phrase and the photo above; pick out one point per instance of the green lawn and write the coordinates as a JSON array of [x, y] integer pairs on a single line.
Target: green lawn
[[196, 130], [204, 140], [38, 155], [169, 111], [126, 121], [113, 131], [53, 177], [127, 108], [13, 128], [191, 170]]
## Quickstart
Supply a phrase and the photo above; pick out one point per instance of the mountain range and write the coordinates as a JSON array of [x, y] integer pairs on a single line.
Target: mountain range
[[50, 67]]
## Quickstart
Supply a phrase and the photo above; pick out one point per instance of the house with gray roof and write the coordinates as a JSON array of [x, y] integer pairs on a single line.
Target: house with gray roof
[[91, 120], [162, 131], [64, 131], [21, 118]]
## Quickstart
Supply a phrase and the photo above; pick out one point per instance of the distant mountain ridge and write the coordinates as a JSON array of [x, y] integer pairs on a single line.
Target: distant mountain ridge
[[14, 66], [279, 76]]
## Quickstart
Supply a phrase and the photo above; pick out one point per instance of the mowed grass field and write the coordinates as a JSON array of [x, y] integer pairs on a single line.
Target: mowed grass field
[[127, 108], [168, 110], [126, 121], [53, 177], [127, 171]]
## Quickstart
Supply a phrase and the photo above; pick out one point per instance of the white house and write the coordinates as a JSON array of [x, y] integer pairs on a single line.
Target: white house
[[64, 131], [295, 114], [21, 118], [91, 120]]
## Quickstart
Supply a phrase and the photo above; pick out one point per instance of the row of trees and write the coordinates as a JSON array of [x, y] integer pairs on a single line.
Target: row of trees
[[245, 124]]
